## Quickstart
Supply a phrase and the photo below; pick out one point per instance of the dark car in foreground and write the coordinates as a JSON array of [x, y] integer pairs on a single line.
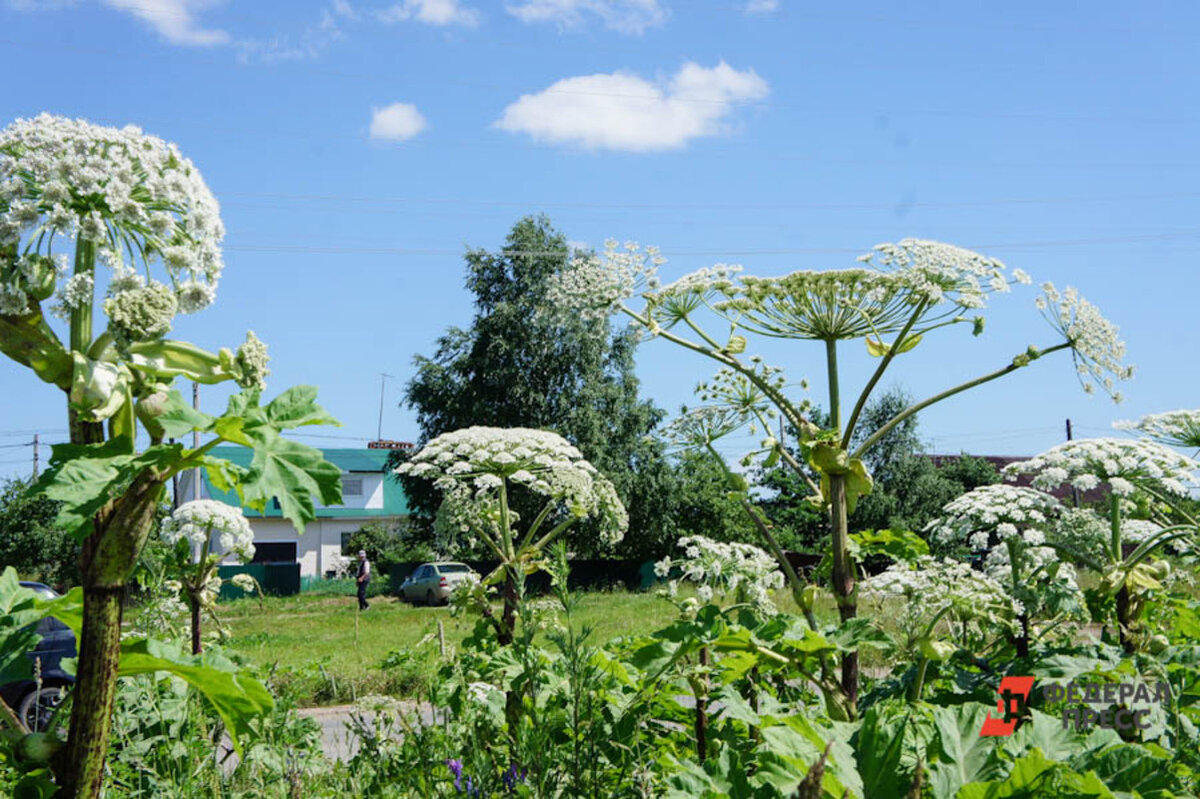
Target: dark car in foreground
[[36, 704]]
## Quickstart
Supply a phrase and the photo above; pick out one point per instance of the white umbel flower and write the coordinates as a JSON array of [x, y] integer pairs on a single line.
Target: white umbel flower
[[731, 570], [484, 458], [998, 511], [120, 189], [1120, 464], [203, 520], [1173, 428]]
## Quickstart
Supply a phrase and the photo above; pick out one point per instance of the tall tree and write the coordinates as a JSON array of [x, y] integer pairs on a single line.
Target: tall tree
[[516, 367], [30, 541]]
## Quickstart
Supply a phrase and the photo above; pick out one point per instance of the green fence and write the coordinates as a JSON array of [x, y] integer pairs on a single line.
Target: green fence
[[276, 579]]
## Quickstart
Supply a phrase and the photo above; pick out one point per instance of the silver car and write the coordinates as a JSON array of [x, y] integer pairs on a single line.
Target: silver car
[[432, 583]]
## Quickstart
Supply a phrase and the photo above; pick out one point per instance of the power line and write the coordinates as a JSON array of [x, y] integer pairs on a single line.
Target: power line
[[728, 206], [672, 251]]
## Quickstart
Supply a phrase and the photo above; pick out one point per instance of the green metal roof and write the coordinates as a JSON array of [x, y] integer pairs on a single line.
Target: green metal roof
[[395, 503]]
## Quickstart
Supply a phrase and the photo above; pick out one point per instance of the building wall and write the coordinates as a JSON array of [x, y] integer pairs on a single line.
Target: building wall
[[319, 548]]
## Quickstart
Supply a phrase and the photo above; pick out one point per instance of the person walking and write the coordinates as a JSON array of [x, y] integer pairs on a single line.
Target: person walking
[[364, 579]]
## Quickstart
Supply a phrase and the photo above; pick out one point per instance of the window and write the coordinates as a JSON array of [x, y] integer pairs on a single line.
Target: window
[[352, 486], [283, 552], [346, 543]]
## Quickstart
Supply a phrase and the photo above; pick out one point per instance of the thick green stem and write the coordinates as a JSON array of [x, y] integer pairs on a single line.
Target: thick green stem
[[701, 693], [831, 369], [918, 685], [922, 405], [1123, 605], [109, 553], [843, 579], [1014, 562], [81, 316], [94, 693], [839, 534]]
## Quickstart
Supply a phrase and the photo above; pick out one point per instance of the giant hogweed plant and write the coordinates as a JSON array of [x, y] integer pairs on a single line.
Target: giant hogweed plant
[[1006, 527], [478, 469], [899, 295], [1126, 469], [86, 209]]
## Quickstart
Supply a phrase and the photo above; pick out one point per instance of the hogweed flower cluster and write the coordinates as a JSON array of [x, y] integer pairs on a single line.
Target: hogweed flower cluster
[[198, 521], [1173, 428], [1120, 464], [131, 196], [470, 465], [1095, 344], [595, 286], [935, 588], [740, 572], [993, 514]]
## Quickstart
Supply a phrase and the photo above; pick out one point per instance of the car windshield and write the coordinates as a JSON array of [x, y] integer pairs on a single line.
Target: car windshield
[[454, 568]]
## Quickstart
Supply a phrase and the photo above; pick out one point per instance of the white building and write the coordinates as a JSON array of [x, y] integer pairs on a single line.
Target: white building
[[368, 495]]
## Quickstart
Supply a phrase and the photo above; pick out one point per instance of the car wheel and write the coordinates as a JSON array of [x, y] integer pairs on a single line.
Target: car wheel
[[429, 600], [36, 708]]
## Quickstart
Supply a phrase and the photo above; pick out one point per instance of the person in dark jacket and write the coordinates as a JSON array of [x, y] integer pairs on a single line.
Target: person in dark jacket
[[364, 579]]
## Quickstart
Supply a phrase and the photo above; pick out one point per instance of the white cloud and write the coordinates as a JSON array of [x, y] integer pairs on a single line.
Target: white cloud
[[174, 20], [626, 16], [396, 122], [431, 12], [309, 43], [621, 111], [762, 6]]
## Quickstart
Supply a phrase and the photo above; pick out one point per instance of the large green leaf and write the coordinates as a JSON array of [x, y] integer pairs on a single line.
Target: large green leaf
[[1036, 777], [297, 407], [890, 739], [900, 545], [179, 418], [1134, 768], [293, 473], [963, 755], [236, 697], [1046, 734], [86, 477]]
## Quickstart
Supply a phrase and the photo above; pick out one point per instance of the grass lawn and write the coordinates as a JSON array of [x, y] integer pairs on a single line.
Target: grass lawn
[[312, 644]]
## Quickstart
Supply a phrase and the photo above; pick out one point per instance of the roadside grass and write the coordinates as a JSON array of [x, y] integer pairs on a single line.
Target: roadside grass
[[319, 649]]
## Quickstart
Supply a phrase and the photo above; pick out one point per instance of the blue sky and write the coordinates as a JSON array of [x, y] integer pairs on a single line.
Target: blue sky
[[358, 146]]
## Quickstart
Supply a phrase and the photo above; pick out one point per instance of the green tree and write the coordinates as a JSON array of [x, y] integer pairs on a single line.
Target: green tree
[[514, 367], [31, 542], [387, 545]]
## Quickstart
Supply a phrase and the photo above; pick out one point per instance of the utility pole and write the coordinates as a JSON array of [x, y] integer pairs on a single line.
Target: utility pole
[[35, 456], [383, 376], [1074, 491], [175, 498], [196, 441]]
